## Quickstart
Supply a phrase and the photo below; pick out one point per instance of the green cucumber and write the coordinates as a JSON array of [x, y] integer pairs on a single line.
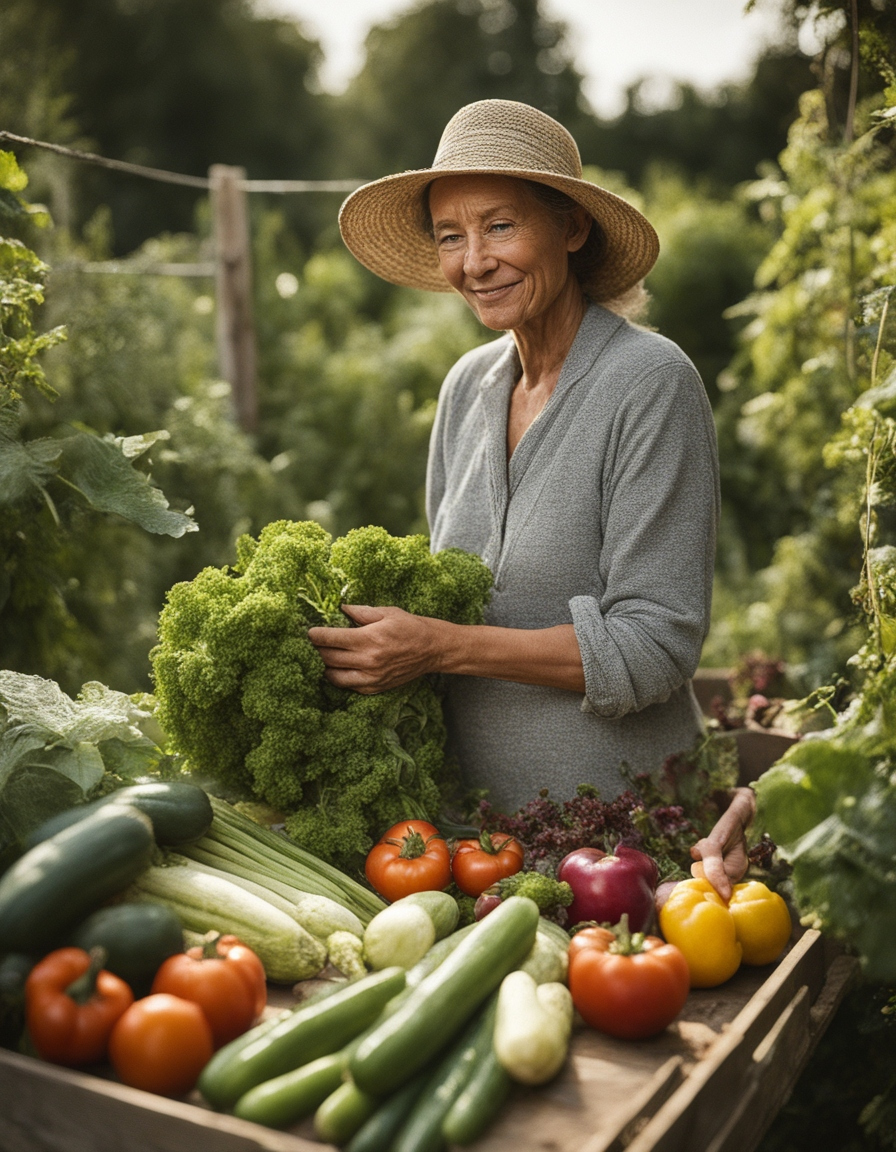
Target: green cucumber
[[137, 939], [180, 812], [439, 952], [343, 1112], [286, 1099], [422, 1131], [378, 1133], [479, 1102], [311, 1031], [433, 958], [56, 884], [439, 1007]]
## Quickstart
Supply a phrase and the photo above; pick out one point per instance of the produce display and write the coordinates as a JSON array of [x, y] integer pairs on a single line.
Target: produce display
[[147, 929], [242, 693]]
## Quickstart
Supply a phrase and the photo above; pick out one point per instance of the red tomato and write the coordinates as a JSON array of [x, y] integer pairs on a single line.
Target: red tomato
[[225, 978], [477, 864], [411, 857], [161, 1044], [629, 995]]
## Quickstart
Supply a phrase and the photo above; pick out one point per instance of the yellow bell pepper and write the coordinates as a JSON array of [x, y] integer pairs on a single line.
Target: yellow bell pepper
[[761, 920], [696, 919], [716, 937]]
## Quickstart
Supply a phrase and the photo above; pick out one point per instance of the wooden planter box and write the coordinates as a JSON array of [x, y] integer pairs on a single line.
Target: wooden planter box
[[712, 1082]]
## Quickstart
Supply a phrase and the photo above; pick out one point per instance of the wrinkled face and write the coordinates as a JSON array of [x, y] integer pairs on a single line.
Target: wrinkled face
[[501, 248]]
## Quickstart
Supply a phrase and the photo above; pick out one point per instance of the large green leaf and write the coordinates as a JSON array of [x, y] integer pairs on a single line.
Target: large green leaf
[[55, 751], [844, 872], [11, 206], [39, 779], [25, 467], [101, 471], [803, 788], [99, 713]]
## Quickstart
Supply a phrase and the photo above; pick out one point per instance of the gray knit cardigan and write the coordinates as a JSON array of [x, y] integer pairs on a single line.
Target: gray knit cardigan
[[605, 517]]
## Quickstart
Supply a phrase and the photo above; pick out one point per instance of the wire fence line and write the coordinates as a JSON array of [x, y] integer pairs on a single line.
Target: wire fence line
[[278, 187], [205, 270], [232, 266]]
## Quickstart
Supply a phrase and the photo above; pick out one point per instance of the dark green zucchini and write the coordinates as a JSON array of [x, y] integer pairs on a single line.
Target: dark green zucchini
[[55, 885], [482, 1097], [137, 939], [14, 970], [180, 812]]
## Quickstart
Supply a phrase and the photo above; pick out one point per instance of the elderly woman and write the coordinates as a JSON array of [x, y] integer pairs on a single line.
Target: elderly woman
[[576, 454]]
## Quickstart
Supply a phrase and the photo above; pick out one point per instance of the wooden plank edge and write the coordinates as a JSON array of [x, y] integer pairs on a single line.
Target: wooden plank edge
[[92, 1114], [777, 1063], [781, 1058], [729, 1058], [644, 1104]]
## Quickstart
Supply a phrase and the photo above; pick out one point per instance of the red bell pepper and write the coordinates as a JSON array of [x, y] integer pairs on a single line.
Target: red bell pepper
[[72, 1004]]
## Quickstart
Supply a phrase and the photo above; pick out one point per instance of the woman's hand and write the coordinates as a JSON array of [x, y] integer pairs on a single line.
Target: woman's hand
[[723, 853], [387, 649]]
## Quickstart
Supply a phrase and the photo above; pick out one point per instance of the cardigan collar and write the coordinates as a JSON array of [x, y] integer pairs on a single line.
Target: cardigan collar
[[596, 329]]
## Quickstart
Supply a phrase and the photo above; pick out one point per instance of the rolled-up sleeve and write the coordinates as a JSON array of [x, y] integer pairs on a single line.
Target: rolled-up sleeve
[[641, 632]]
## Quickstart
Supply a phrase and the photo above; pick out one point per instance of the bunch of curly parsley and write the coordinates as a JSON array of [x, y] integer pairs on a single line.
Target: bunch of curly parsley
[[242, 694]]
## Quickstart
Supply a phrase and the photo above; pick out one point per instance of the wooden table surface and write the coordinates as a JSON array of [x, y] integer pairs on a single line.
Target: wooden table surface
[[711, 1082]]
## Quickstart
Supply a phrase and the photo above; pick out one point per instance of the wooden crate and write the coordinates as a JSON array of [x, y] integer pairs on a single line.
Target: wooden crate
[[712, 1082]]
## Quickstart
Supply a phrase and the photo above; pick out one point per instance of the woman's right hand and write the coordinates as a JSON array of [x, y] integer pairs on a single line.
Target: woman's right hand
[[388, 648], [721, 857]]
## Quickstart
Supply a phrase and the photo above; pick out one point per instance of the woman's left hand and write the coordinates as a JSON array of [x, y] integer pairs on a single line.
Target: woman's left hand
[[387, 649], [723, 853]]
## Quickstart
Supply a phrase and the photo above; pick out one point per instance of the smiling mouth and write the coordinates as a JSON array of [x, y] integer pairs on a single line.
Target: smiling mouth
[[488, 293]]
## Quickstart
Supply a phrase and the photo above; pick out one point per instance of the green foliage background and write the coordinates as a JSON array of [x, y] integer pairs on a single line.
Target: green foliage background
[[349, 367]]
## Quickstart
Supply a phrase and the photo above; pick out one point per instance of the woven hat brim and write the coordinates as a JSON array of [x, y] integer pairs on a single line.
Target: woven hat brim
[[381, 224]]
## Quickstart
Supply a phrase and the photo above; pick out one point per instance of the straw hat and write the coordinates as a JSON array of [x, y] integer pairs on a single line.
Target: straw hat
[[381, 222]]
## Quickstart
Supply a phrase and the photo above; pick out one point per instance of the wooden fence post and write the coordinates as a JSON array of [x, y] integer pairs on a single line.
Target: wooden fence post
[[233, 282]]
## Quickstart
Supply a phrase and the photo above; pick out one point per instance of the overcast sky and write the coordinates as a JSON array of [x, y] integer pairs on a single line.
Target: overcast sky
[[614, 41]]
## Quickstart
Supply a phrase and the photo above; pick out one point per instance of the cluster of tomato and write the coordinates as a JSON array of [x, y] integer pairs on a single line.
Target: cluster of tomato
[[414, 856], [80, 1014]]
